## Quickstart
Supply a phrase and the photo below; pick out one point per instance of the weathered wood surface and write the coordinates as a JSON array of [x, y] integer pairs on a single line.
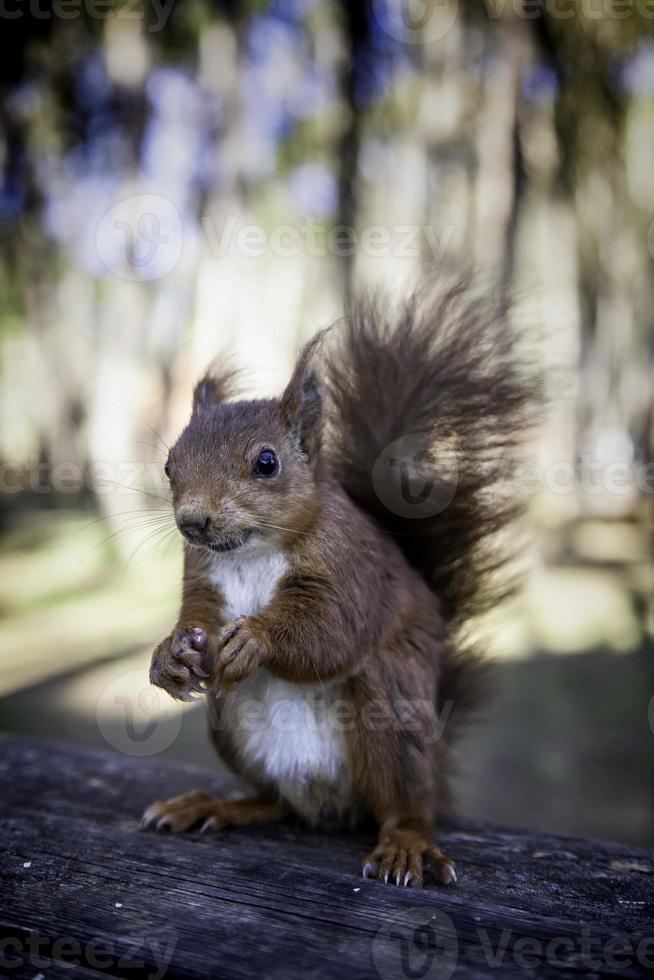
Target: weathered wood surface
[[81, 884]]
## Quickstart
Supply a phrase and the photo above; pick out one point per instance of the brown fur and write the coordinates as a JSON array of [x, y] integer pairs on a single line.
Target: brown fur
[[370, 602]]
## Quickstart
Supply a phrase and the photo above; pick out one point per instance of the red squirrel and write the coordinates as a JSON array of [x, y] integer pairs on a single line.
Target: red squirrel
[[337, 540]]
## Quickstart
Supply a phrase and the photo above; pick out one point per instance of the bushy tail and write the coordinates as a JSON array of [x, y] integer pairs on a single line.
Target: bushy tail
[[431, 406]]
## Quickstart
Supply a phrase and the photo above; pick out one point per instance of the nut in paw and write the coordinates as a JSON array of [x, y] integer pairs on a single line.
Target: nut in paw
[[178, 664]]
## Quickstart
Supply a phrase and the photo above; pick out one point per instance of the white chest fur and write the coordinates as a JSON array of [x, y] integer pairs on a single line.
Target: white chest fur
[[288, 732], [248, 580]]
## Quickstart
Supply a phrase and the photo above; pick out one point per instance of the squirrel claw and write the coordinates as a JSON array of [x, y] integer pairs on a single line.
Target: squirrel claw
[[192, 693], [448, 874]]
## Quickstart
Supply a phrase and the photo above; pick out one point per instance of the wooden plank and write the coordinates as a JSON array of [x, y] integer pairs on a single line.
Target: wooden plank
[[283, 901]]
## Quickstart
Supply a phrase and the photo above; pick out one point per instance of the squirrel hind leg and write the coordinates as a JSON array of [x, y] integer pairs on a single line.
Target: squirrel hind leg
[[199, 808]]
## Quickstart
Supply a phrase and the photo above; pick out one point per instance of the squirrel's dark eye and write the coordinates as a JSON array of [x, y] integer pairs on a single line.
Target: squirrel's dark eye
[[267, 463], [167, 468]]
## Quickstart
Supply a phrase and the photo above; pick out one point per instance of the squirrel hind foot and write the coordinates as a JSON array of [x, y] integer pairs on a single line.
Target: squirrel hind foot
[[402, 859]]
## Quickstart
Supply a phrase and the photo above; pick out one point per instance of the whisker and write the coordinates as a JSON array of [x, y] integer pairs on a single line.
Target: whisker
[[171, 539], [146, 493], [132, 528], [151, 445], [278, 527], [154, 432], [122, 514], [126, 531], [157, 540], [292, 530], [237, 496], [145, 541]]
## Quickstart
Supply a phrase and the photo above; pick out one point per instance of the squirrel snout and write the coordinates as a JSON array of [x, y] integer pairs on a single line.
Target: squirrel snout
[[193, 524], [195, 530]]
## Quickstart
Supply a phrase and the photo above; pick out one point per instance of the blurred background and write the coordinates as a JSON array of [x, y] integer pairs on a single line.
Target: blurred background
[[177, 179]]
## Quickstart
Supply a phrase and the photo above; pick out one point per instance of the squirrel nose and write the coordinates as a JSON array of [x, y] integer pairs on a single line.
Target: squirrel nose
[[195, 528]]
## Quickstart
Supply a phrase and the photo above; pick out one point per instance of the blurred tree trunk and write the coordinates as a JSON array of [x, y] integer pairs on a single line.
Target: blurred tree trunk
[[355, 68]]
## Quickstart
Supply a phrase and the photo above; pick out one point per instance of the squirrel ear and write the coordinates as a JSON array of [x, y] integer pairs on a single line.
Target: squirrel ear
[[211, 390], [301, 403]]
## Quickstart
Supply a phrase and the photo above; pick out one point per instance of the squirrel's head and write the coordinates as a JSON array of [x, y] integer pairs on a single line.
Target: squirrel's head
[[246, 471]]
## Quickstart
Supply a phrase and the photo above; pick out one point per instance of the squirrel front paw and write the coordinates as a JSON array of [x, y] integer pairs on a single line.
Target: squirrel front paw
[[178, 663], [244, 650]]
